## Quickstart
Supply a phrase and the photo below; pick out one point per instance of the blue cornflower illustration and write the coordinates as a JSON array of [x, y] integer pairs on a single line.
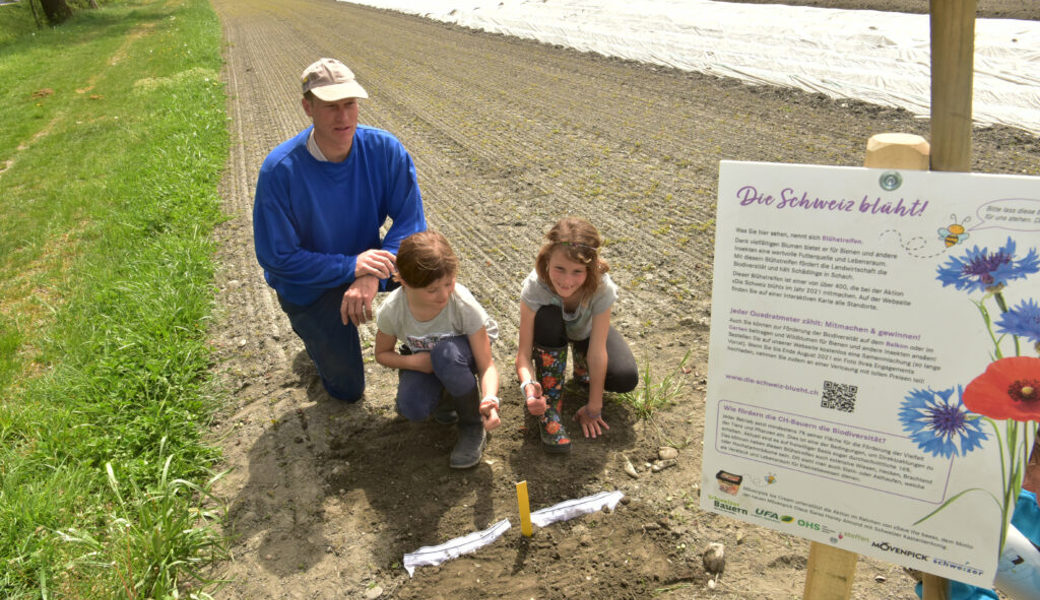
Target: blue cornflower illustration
[[1022, 320], [937, 421], [979, 269]]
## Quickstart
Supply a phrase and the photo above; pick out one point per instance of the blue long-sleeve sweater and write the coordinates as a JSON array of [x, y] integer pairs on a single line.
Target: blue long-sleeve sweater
[[311, 218]]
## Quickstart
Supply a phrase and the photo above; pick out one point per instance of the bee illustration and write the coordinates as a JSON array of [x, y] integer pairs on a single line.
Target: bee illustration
[[954, 233]]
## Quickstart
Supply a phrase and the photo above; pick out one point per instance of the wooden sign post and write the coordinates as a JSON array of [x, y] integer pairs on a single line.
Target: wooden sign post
[[953, 50], [953, 66], [831, 570]]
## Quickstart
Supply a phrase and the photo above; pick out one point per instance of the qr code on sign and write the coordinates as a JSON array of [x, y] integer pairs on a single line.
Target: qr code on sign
[[839, 396]]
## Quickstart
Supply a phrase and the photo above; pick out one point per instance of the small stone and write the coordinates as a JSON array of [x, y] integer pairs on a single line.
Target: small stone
[[880, 579], [714, 557], [661, 465], [630, 469], [374, 592], [667, 452]]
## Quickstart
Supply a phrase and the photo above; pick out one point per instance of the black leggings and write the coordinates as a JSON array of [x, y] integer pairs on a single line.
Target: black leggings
[[622, 371]]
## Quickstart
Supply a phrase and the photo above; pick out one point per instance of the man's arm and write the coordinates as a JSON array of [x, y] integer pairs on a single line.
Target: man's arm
[[405, 206], [278, 247]]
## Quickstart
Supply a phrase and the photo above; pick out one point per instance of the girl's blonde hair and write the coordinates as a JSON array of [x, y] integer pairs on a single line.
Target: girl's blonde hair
[[425, 257], [579, 241]]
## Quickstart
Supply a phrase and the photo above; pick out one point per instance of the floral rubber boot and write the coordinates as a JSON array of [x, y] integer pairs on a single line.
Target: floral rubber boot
[[550, 364]]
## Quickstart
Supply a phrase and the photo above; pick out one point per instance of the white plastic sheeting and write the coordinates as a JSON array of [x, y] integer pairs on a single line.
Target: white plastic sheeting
[[878, 57]]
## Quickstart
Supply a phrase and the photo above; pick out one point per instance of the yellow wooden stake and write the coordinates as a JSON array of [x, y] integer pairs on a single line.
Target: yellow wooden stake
[[525, 509]]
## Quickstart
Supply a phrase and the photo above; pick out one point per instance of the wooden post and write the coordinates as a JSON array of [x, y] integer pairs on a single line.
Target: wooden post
[[953, 50], [953, 65], [831, 571]]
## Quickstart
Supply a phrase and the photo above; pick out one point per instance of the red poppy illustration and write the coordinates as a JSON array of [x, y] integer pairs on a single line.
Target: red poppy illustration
[[1009, 389], [552, 427], [548, 360], [548, 382]]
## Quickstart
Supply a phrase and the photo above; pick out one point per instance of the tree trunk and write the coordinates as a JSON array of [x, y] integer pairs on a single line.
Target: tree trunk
[[56, 11], [36, 15]]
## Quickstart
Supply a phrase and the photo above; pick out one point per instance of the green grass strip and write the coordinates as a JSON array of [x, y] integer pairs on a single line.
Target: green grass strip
[[113, 145]]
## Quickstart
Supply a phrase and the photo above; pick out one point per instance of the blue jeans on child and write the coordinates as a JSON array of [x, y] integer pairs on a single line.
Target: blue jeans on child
[[453, 370], [334, 347]]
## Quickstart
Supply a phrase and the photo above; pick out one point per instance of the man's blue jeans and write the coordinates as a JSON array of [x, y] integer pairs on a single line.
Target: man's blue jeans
[[453, 370], [334, 347]]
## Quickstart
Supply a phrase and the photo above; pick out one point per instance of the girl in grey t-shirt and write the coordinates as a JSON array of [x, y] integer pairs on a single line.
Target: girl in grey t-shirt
[[567, 298], [445, 340]]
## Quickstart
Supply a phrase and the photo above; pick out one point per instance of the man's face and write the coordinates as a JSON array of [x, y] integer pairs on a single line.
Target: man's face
[[334, 121]]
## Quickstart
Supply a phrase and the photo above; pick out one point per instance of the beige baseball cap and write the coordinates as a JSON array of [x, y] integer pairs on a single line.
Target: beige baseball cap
[[331, 80]]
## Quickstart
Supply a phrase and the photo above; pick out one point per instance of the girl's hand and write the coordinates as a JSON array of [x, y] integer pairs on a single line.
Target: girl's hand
[[536, 405], [592, 424], [490, 418], [531, 388], [489, 412], [423, 362]]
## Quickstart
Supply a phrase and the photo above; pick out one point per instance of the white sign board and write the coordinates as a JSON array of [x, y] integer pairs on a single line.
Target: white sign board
[[849, 311]]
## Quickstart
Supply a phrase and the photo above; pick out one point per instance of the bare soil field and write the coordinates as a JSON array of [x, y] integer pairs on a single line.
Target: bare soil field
[[508, 136]]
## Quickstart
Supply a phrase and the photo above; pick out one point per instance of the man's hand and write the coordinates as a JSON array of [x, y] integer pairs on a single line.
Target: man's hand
[[378, 263], [356, 307]]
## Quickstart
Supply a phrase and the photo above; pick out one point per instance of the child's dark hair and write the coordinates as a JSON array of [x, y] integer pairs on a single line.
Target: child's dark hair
[[579, 241], [425, 257]]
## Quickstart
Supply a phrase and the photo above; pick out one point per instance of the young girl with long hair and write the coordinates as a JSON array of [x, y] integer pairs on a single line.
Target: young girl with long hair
[[567, 299]]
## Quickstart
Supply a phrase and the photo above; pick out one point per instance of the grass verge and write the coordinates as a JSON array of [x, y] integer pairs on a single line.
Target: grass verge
[[110, 157]]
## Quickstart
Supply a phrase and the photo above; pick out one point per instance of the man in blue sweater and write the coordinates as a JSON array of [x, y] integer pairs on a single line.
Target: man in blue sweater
[[321, 199]]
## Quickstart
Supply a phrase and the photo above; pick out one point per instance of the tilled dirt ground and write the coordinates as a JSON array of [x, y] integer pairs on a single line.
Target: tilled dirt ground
[[508, 136]]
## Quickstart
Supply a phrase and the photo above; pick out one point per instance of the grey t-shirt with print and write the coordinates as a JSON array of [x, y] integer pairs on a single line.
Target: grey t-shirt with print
[[536, 294], [463, 315]]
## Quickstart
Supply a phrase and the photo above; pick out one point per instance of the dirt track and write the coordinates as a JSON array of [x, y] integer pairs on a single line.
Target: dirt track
[[507, 136]]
